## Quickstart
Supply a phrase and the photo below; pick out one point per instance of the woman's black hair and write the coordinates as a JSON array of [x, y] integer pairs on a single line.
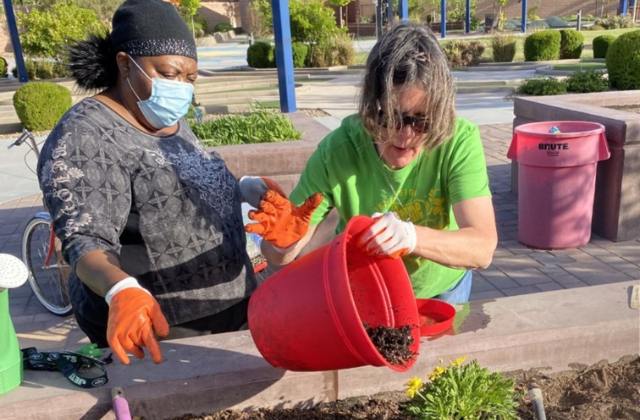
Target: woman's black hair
[[92, 63]]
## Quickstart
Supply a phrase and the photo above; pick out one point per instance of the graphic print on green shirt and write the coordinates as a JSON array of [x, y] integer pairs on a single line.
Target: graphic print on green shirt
[[347, 170]]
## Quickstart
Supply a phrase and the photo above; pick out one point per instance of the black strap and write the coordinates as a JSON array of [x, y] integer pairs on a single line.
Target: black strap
[[80, 370]]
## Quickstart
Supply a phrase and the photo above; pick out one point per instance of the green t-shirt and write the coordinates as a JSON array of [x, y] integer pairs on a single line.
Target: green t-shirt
[[346, 168]]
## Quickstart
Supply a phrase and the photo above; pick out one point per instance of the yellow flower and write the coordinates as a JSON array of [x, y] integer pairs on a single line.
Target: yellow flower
[[435, 374], [459, 361], [413, 386]]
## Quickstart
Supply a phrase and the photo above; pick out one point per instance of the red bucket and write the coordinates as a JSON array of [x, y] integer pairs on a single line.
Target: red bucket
[[309, 316]]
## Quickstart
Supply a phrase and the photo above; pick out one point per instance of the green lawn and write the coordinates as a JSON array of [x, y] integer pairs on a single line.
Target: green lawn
[[588, 65]]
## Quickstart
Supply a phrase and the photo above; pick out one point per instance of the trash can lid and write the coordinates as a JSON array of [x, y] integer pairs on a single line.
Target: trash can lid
[[559, 144]]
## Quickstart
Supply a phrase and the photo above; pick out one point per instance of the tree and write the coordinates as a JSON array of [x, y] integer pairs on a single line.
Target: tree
[[46, 33], [340, 4], [188, 9], [501, 15]]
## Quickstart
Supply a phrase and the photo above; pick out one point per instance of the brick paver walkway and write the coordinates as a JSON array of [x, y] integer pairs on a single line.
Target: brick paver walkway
[[515, 270]]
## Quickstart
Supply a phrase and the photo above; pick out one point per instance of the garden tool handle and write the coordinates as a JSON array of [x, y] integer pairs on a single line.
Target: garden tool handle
[[120, 404]]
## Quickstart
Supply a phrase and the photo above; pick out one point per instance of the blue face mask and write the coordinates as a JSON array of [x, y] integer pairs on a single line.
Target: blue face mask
[[169, 100]]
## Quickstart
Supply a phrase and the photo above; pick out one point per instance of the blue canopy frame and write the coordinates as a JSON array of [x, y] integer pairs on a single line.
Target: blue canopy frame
[[15, 41]]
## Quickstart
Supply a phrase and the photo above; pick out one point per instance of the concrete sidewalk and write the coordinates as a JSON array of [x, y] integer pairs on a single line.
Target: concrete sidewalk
[[515, 270]]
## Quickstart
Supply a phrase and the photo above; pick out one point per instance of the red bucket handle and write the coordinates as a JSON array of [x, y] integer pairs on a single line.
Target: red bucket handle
[[512, 153], [603, 148]]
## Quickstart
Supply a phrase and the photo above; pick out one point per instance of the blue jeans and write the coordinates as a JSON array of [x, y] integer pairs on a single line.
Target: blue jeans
[[460, 292]]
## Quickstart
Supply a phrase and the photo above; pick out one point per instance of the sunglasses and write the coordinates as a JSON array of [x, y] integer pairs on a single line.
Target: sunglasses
[[419, 124]]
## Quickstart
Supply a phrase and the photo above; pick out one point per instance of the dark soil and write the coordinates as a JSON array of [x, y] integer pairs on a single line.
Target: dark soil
[[392, 343], [601, 391], [598, 392]]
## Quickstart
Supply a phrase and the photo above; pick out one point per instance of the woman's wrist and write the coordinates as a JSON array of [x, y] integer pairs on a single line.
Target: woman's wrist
[[127, 283]]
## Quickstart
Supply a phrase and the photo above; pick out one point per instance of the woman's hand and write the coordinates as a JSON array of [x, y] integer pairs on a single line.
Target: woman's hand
[[135, 319], [279, 221], [253, 189], [389, 235]]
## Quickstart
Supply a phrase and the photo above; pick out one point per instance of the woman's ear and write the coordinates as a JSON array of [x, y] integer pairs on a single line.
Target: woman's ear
[[123, 62]]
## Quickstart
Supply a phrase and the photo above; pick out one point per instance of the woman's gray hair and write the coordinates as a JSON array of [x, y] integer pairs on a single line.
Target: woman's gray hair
[[408, 55]]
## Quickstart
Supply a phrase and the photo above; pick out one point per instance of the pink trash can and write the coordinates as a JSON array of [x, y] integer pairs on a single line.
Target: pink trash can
[[556, 181]]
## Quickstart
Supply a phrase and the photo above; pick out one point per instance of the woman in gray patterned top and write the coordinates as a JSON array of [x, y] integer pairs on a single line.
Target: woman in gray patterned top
[[149, 221]]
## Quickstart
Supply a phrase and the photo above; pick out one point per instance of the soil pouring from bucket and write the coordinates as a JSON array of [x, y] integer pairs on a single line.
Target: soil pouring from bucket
[[392, 343]]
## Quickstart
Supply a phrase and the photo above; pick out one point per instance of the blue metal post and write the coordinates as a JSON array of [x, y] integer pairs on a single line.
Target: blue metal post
[[624, 7], [523, 24], [404, 10], [284, 56], [15, 41], [443, 18], [467, 17]]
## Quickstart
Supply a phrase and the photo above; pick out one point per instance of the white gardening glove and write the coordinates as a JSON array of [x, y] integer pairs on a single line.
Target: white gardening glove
[[389, 235], [253, 189]]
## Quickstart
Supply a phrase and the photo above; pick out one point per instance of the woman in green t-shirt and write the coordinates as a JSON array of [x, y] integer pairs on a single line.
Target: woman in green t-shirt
[[404, 159]]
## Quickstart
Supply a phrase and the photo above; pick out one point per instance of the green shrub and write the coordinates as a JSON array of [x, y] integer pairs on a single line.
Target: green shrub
[[44, 69], [463, 53], [312, 21], [197, 27], [40, 105], [3, 67], [504, 48], [543, 45], [601, 45], [571, 43], [462, 391], [261, 126], [261, 55], [300, 51], [548, 86], [223, 27], [596, 27], [587, 81], [623, 61], [614, 22], [333, 52], [46, 33]]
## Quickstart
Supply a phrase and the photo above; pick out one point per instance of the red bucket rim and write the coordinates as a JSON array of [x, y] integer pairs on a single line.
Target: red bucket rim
[[596, 128]]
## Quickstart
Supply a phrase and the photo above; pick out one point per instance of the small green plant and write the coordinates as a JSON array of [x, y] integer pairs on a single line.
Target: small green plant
[[538, 87], [504, 48], [623, 61], [300, 51], [40, 105], [3, 67], [463, 53], [462, 391], [587, 81], [223, 27], [259, 126], [261, 55], [571, 43], [543, 45], [601, 45]]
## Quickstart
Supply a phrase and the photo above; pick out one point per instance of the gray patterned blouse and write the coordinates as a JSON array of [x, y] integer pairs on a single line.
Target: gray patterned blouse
[[165, 206]]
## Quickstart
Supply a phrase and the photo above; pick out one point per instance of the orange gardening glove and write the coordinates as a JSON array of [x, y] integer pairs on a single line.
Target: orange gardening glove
[[279, 221], [135, 319]]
